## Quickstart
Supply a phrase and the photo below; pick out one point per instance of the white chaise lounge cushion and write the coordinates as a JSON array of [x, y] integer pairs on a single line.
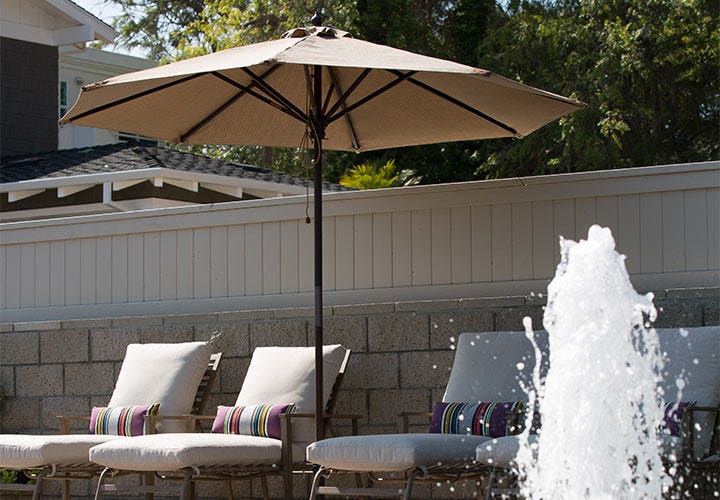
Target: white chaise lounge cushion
[[168, 374], [29, 451], [501, 452], [393, 452], [167, 452]]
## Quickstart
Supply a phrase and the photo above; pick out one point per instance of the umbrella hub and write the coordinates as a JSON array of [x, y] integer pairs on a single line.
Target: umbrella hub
[[322, 31]]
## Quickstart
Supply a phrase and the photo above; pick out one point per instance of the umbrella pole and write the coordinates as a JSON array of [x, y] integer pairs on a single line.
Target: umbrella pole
[[317, 194]]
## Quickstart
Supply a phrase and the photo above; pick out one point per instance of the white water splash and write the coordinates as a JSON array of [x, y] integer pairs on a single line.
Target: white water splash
[[599, 404]]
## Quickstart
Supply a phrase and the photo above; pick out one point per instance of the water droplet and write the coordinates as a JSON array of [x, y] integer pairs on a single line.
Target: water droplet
[[520, 366], [683, 332], [452, 340], [472, 342], [680, 383], [434, 367], [696, 361]]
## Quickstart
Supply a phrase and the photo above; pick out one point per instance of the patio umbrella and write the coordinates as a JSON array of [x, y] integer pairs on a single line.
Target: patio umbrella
[[319, 83]]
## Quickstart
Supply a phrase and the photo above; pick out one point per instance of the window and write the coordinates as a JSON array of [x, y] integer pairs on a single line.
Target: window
[[63, 98]]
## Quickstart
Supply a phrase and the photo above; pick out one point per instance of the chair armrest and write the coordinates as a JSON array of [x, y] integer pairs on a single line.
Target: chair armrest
[[405, 419], [65, 421]]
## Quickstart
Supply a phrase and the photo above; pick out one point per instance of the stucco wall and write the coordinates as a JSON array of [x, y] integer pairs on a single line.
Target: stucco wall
[[402, 354]]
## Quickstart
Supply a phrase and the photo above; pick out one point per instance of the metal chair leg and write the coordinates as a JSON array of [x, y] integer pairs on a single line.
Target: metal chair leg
[[264, 486], [187, 492], [229, 490], [317, 480], [37, 491], [100, 482], [409, 485]]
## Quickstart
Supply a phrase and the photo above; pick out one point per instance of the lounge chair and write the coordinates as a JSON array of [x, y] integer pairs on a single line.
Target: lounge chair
[[693, 356], [178, 377], [488, 367], [276, 376]]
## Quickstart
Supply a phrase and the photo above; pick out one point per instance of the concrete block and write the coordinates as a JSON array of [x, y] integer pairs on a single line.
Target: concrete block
[[372, 371], [493, 302], [53, 406], [19, 348], [401, 332], [232, 375], [366, 430], [364, 309], [456, 489], [511, 318], [7, 382], [280, 332], [679, 314], [694, 293], [37, 326], [86, 324], [427, 305], [137, 321], [352, 402], [233, 316], [711, 314], [39, 380], [301, 487], [235, 340], [386, 406], [89, 378], [425, 369], [446, 327], [351, 332], [111, 344], [297, 312], [64, 345], [20, 414], [183, 319], [170, 334], [6, 327]]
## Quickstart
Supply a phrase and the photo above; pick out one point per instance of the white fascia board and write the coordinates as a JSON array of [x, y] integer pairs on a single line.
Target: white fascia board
[[21, 195], [64, 191], [27, 33], [76, 34], [190, 185], [101, 61], [55, 212], [99, 29], [236, 191]]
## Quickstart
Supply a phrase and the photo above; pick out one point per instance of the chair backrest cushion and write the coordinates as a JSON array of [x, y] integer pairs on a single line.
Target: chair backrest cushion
[[286, 375], [168, 374]]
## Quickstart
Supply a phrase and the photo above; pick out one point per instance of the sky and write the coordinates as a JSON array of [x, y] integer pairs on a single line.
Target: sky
[[107, 13]]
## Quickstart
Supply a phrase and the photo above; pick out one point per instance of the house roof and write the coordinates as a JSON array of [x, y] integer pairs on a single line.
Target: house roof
[[129, 157]]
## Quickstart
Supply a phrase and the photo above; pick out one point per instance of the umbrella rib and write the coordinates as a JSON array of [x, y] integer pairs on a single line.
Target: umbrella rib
[[134, 96], [461, 104], [183, 137], [341, 99], [274, 94], [384, 88], [260, 97]]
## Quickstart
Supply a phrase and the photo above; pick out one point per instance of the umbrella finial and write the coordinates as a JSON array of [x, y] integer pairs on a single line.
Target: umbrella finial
[[317, 19]]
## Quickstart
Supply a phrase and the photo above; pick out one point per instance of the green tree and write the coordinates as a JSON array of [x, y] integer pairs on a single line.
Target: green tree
[[367, 176]]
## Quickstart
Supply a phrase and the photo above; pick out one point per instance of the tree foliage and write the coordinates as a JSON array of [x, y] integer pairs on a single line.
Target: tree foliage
[[648, 70]]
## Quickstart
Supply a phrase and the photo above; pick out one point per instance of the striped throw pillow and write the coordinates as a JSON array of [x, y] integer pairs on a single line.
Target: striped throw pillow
[[251, 420], [485, 418], [121, 420]]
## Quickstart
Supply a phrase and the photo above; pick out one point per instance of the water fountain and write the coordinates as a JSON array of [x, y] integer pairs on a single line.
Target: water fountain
[[599, 402]]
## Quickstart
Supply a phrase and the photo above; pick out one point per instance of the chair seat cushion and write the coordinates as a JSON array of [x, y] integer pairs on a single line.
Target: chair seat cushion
[[30, 451], [166, 452], [393, 452]]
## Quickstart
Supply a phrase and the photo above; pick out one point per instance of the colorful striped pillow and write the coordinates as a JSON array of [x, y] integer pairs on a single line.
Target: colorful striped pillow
[[121, 420], [672, 416], [485, 418], [251, 420]]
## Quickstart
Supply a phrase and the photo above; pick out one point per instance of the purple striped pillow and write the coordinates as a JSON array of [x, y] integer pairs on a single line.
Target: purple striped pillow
[[121, 420], [485, 418], [251, 420], [672, 417]]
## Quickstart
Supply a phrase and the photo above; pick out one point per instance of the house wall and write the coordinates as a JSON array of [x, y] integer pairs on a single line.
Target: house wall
[[29, 97], [402, 354], [475, 239]]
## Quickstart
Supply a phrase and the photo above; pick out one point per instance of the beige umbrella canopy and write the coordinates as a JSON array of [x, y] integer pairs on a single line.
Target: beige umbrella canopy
[[318, 83]]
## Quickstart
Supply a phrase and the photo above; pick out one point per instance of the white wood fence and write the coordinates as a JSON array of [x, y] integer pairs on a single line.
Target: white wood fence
[[472, 239]]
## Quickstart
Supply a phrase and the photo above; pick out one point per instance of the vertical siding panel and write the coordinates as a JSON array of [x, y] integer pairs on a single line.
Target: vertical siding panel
[[168, 265], [585, 216], [673, 232], [306, 272], [42, 274], [120, 274], [136, 268], [607, 213], [713, 228], [382, 250], [401, 249], [253, 259], [57, 273], [522, 259], [103, 273], [236, 261], [328, 256], [441, 244], [271, 257], [543, 240], [289, 261], [651, 233], [421, 221], [88, 263], [563, 224], [628, 235], [3, 276], [12, 277], [344, 253], [201, 263], [219, 261], [151, 272], [73, 282], [696, 234], [501, 242], [27, 275], [363, 251], [481, 240], [185, 261], [461, 260]]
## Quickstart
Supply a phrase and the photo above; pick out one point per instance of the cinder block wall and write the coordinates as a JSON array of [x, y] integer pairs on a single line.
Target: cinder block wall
[[402, 352]]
